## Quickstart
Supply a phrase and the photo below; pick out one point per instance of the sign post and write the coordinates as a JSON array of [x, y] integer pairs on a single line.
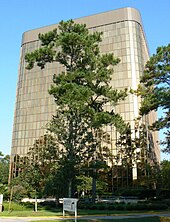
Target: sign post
[[1, 201], [70, 204]]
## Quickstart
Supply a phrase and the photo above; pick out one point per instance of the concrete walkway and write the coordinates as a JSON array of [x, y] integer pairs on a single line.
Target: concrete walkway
[[91, 217]]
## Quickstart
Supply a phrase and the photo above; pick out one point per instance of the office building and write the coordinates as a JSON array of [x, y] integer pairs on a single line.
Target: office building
[[123, 35]]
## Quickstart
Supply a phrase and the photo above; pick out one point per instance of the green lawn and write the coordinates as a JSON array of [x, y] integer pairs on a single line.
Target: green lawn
[[29, 213], [19, 210], [58, 212], [146, 219]]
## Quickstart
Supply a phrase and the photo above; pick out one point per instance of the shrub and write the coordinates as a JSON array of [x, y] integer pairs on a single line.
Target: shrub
[[120, 207], [92, 207], [47, 205], [101, 206], [111, 207], [167, 202], [140, 193], [165, 194]]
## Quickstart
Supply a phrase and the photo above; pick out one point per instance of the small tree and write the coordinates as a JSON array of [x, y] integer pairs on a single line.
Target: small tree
[[4, 173], [37, 167], [135, 149], [165, 172], [4, 166]]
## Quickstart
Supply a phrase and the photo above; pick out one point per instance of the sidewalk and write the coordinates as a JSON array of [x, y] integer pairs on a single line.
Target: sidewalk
[[91, 217]]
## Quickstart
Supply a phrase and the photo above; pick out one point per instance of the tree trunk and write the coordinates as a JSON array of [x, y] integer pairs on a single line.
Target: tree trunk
[[35, 202], [10, 200], [57, 200], [69, 189], [94, 186]]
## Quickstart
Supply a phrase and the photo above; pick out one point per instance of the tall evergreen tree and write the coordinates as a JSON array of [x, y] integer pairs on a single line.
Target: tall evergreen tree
[[155, 90], [80, 92]]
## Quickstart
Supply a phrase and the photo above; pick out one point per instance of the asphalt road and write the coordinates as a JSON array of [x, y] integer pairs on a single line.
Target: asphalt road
[[27, 219]]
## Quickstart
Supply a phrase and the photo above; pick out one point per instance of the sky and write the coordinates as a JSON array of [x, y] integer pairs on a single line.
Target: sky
[[18, 16]]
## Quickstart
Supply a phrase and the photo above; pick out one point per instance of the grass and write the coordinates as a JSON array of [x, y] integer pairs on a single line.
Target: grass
[[22, 210], [146, 219], [28, 214]]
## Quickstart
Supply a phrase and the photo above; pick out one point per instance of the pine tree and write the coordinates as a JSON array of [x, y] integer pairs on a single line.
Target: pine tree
[[80, 92], [155, 90]]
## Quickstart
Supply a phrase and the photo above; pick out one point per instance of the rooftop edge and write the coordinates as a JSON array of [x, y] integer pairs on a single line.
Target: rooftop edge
[[113, 16]]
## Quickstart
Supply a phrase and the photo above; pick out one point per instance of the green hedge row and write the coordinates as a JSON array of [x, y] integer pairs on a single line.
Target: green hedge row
[[121, 206], [142, 193]]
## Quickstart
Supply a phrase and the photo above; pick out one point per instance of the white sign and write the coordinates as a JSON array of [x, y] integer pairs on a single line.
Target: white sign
[[70, 204], [1, 199]]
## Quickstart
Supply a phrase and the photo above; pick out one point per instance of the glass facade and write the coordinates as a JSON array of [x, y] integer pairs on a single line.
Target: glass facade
[[122, 36]]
